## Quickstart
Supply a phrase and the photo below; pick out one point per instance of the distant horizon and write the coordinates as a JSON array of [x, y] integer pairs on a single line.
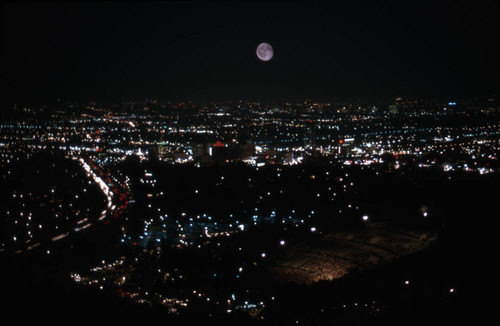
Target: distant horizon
[[248, 99]]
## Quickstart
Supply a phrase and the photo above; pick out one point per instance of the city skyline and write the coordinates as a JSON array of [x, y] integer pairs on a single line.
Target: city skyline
[[249, 163], [264, 213]]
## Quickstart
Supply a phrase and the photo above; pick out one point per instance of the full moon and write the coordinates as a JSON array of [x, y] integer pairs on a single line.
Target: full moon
[[265, 51]]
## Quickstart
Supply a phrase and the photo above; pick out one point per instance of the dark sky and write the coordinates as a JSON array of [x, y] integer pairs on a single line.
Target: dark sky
[[133, 50]]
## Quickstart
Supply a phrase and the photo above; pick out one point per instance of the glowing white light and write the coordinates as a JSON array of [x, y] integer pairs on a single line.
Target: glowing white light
[[265, 51], [365, 217]]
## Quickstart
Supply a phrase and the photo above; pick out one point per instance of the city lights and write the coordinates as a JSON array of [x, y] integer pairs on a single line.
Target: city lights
[[205, 216]]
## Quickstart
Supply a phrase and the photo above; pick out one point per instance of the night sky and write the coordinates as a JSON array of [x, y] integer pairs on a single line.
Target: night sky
[[206, 50]]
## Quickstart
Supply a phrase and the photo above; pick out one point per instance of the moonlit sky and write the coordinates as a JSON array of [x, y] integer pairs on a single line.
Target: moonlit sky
[[133, 50]]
